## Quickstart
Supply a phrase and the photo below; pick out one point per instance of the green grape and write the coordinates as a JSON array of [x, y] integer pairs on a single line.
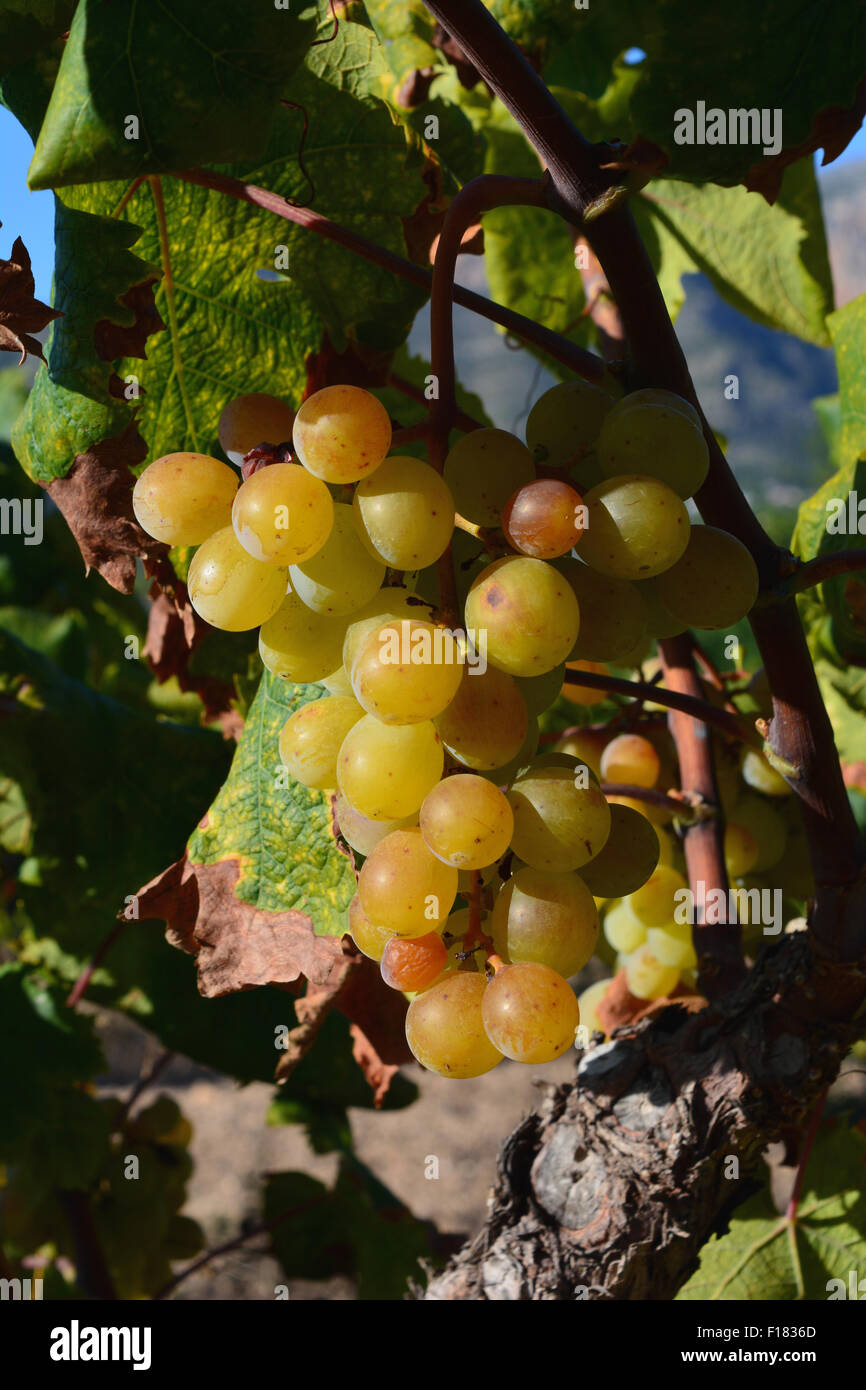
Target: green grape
[[637, 527], [726, 762], [564, 424], [646, 977], [389, 605], [666, 848], [310, 739], [503, 776], [361, 834], [341, 434], [540, 692], [672, 945], [766, 827], [654, 395], [558, 824], [182, 499], [486, 724], [407, 672], [385, 771], [613, 616], [527, 614], [405, 513], [622, 930], [586, 745], [466, 821], [588, 1002], [632, 760], [415, 964], [342, 576], [660, 623], [530, 1012], [483, 470], [231, 590], [793, 872], [404, 886], [630, 855], [759, 774], [282, 515], [543, 518], [369, 939], [338, 683], [445, 1030], [713, 584], [741, 850], [656, 440], [548, 918], [654, 903], [298, 644], [254, 419]]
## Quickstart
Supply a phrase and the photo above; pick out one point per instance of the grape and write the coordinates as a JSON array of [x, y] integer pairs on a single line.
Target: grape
[[630, 855], [405, 887], [713, 584], [530, 1012], [413, 965], [759, 774], [362, 834], [657, 441], [390, 604], [406, 672], [765, 825], [584, 694], [503, 776], [741, 850], [548, 918], [666, 849], [527, 614], [630, 759], [653, 395], [588, 1002], [486, 724], [369, 939], [254, 419], [310, 739], [654, 903], [672, 945], [543, 519], [483, 470], [623, 930], [445, 1031], [384, 771], [565, 422], [298, 644], [656, 815], [558, 825], [338, 683], [405, 513], [646, 976], [342, 576], [637, 527], [467, 821], [540, 692], [182, 499], [587, 745], [660, 623], [282, 515], [341, 434], [488, 874], [231, 590], [468, 559], [613, 616]]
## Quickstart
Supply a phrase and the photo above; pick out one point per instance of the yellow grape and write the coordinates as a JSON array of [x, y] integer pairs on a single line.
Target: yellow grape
[[414, 964], [548, 918], [369, 939], [298, 644], [759, 774], [311, 738], [558, 824], [361, 834], [504, 776], [338, 683], [622, 930], [629, 856], [763, 822], [389, 605], [656, 439], [587, 745], [564, 424], [527, 613], [282, 515], [182, 499], [672, 945], [254, 419], [408, 671], [579, 694], [466, 821], [405, 513], [588, 1002], [654, 903], [445, 1031], [637, 527], [385, 771], [632, 760], [530, 1012], [405, 887], [483, 470], [666, 847], [231, 590], [342, 576], [486, 724], [713, 584], [646, 976], [656, 815], [741, 850], [341, 434], [613, 616]]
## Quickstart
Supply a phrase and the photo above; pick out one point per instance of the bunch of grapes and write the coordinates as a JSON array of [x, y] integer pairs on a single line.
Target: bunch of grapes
[[573, 548]]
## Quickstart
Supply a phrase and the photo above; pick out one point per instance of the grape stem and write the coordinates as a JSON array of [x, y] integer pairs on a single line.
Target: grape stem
[[407, 434], [822, 568], [690, 704], [686, 806]]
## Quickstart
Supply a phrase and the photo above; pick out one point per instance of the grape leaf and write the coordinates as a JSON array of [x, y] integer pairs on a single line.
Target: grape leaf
[[21, 314], [26, 26]]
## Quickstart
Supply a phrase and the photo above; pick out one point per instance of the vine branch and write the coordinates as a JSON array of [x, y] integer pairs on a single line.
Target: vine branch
[[686, 702], [822, 568]]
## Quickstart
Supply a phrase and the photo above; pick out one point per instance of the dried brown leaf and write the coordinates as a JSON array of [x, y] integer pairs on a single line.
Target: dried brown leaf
[[21, 314], [115, 340]]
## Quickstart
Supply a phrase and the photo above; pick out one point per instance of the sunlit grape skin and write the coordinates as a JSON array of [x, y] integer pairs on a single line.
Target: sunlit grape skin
[[632, 760], [342, 575], [530, 1012], [282, 515], [543, 519], [341, 434], [486, 724], [254, 419], [483, 470], [528, 613], [637, 527], [713, 584], [647, 977], [300, 645], [182, 499], [405, 513], [231, 590], [628, 858], [385, 771], [391, 604], [311, 738], [445, 1030], [407, 672], [558, 825], [414, 964], [466, 821], [655, 439], [369, 939], [404, 886], [360, 833], [548, 918], [622, 929], [655, 901]]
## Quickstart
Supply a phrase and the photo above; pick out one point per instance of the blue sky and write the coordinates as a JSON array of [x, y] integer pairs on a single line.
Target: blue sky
[[31, 215]]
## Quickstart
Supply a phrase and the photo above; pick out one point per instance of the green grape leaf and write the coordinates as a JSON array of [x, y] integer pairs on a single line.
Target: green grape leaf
[[762, 1257], [405, 32], [147, 88], [844, 694], [26, 26]]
